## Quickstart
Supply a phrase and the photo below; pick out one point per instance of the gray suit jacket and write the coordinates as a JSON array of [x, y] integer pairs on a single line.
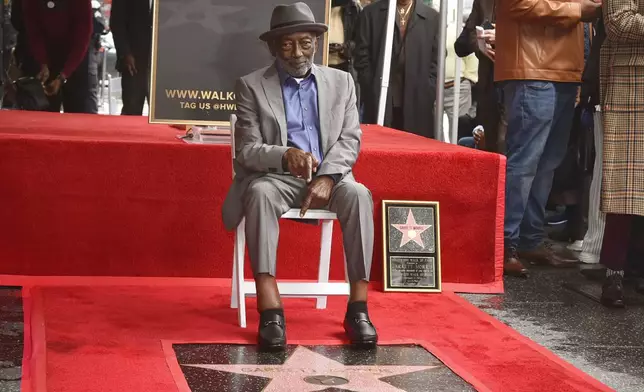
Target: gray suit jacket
[[261, 134]]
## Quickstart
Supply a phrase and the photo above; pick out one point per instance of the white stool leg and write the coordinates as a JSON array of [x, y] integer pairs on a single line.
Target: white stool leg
[[240, 237], [234, 300], [346, 270], [325, 258]]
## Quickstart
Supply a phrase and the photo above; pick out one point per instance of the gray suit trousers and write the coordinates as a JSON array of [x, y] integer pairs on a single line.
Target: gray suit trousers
[[267, 198]]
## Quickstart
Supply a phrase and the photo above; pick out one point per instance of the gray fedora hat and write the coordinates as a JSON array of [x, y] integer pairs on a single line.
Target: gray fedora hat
[[287, 19]]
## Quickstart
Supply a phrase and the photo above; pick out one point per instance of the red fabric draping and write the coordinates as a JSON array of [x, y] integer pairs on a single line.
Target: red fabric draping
[[101, 195]]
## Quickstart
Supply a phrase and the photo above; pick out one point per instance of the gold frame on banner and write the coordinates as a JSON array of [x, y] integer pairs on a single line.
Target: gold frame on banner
[[385, 241], [153, 71]]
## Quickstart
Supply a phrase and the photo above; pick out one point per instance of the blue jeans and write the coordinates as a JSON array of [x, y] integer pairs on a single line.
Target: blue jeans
[[539, 116], [467, 142]]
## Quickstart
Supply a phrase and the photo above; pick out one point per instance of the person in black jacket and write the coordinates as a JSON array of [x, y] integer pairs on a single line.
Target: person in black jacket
[[131, 25], [344, 17], [489, 108], [573, 177]]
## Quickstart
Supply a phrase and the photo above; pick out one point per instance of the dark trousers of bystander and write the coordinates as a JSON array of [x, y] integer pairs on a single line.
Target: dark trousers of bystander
[[617, 238], [80, 93], [135, 92], [622, 246], [398, 118]]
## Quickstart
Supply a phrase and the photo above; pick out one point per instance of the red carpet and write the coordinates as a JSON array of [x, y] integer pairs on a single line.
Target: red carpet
[[115, 196], [107, 334]]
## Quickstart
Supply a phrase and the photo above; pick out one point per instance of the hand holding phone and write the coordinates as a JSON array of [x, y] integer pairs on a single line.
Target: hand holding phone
[[490, 36], [486, 39], [487, 25], [489, 32]]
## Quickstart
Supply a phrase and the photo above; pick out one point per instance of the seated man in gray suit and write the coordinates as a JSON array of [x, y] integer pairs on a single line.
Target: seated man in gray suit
[[297, 139]]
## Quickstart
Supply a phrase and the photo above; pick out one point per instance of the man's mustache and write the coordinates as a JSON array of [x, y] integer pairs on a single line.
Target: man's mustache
[[299, 63]]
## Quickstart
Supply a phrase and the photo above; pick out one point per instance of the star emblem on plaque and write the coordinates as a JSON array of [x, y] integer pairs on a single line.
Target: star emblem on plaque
[[411, 244], [389, 368]]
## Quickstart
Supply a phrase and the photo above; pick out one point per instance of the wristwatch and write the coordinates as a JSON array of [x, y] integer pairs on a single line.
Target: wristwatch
[[62, 78]]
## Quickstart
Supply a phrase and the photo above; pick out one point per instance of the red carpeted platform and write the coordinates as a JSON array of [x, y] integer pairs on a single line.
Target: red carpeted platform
[[115, 196], [108, 334]]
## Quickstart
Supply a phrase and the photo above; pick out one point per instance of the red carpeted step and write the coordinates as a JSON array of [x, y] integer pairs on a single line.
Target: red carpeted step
[[115, 196]]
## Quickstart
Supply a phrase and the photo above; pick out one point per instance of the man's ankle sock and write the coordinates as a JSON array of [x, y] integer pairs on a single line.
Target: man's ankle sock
[[357, 307], [610, 272]]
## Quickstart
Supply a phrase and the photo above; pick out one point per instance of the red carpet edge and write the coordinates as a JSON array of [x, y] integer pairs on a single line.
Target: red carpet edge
[[499, 240], [34, 361]]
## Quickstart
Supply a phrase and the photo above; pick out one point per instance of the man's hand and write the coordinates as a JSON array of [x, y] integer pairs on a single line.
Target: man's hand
[[130, 64], [318, 195], [43, 75], [490, 53], [53, 88], [300, 164], [479, 138], [590, 10], [490, 36]]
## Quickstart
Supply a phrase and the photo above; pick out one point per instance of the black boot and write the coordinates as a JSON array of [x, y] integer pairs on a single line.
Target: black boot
[[613, 291]]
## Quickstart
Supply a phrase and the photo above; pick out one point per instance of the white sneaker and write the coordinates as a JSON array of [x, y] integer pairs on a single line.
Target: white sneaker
[[576, 246], [589, 258]]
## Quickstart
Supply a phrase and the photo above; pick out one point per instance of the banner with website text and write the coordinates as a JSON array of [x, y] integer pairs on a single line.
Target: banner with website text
[[201, 47]]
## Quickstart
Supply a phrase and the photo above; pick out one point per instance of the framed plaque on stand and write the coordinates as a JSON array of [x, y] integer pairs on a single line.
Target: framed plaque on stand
[[411, 246]]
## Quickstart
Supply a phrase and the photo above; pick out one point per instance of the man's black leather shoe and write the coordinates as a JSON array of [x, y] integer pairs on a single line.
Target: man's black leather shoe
[[271, 335], [360, 330], [613, 292]]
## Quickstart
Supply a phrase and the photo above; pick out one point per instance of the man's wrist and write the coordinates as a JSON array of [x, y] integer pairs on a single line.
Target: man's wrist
[[62, 77], [285, 161]]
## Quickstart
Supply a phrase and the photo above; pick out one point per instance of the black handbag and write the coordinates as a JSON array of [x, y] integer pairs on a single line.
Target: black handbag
[[590, 75], [30, 94]]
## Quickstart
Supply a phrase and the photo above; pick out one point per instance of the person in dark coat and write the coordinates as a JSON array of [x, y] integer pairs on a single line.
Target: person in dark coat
[[412, 88], [489, 108], [131, 25], [571, 184], [95, 56], [344, 17]]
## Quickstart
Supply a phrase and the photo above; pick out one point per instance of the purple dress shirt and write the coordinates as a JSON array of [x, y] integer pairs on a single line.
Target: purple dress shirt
[[302, 117]]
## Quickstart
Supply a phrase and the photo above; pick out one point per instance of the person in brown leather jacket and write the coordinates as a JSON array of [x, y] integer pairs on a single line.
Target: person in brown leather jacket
[[539, 60]]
